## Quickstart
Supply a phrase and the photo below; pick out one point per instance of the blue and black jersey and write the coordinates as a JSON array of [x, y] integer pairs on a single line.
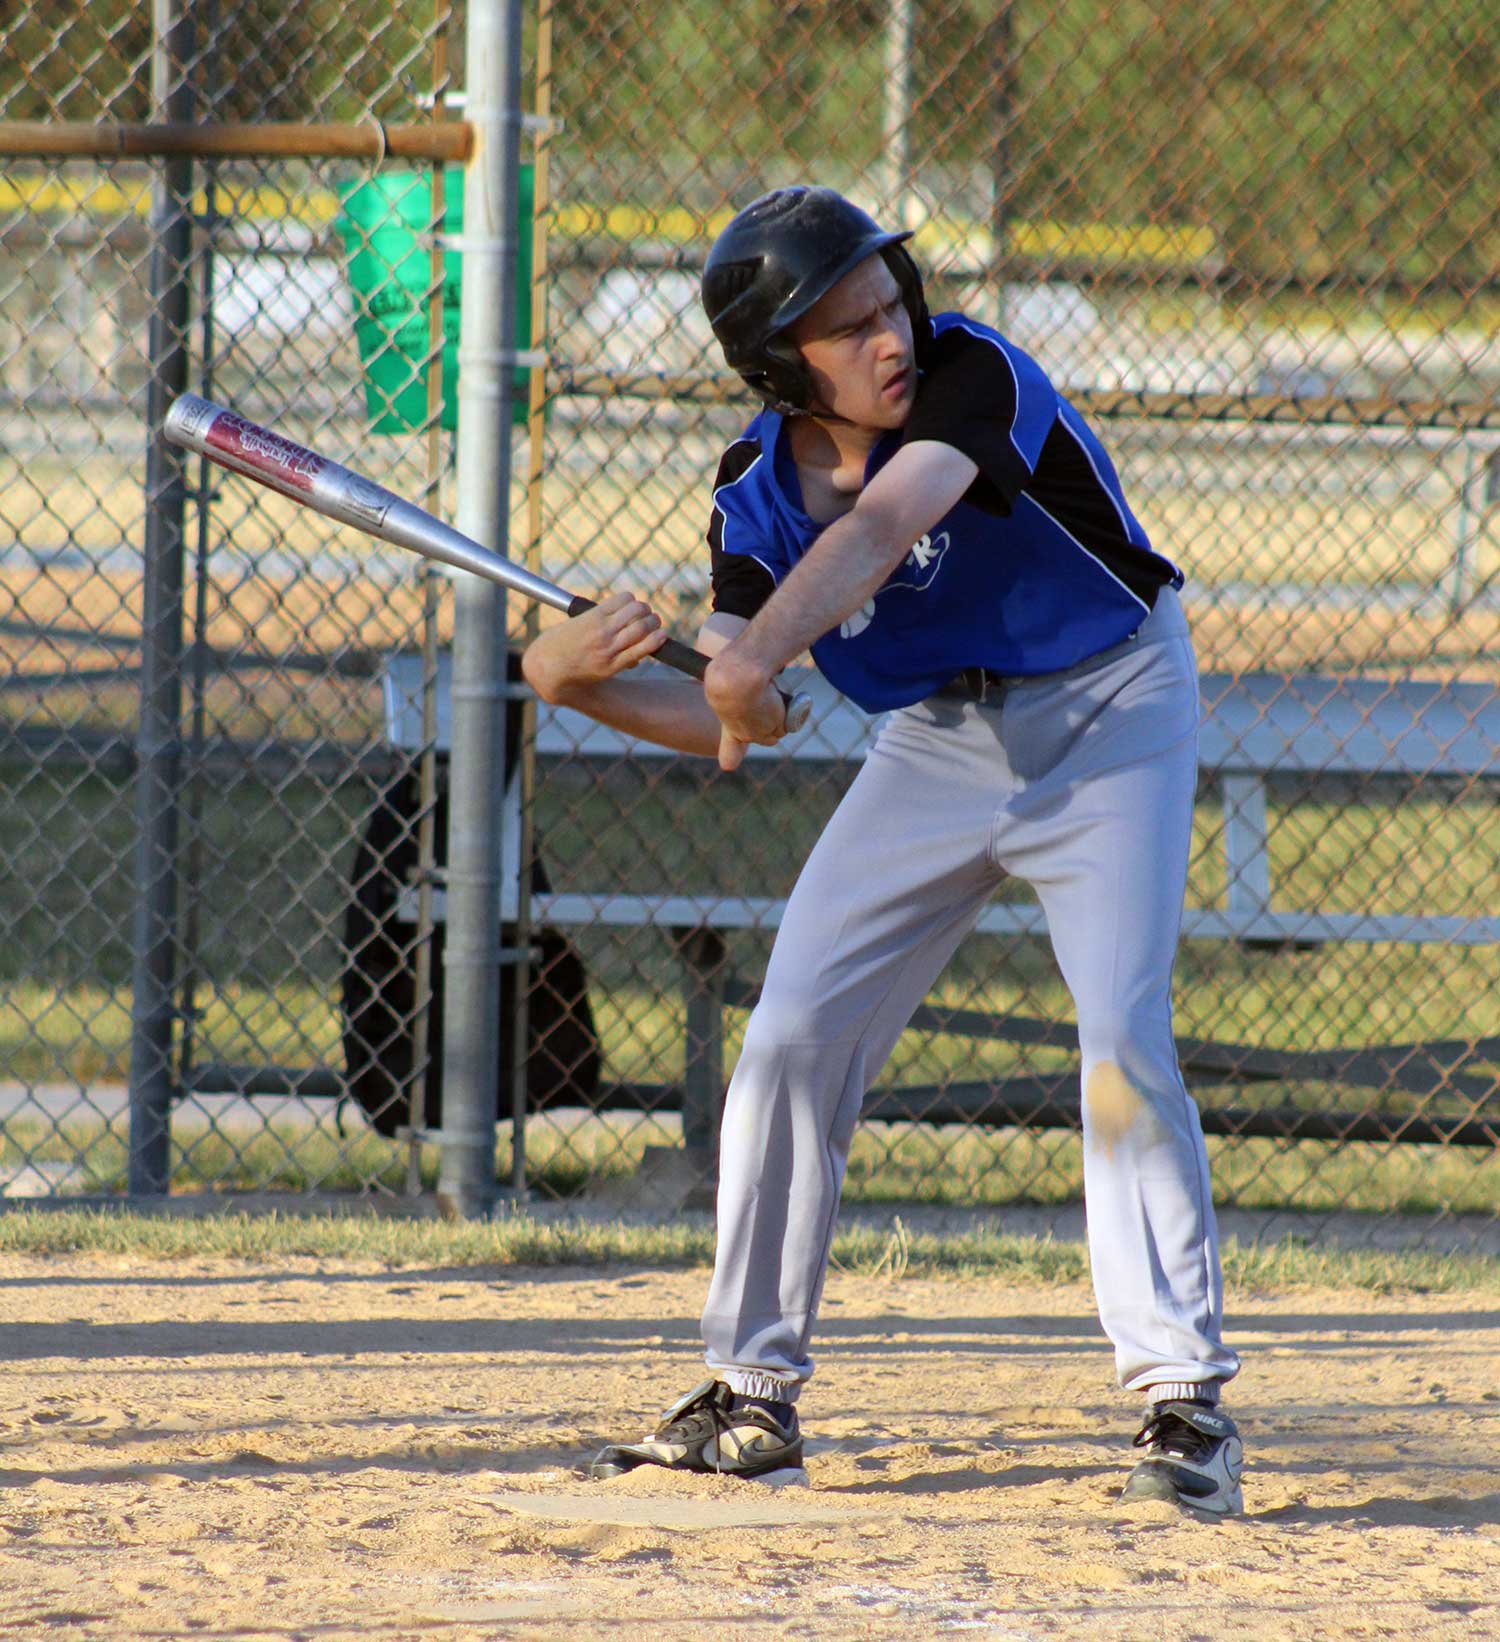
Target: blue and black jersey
[[1040, 565]]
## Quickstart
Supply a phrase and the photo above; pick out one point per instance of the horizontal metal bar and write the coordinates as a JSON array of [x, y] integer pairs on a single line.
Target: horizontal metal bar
[[348, 664], [597, 249], [1022, 1103], [62, 139], [1424, 1068], [1199, 923], [110, 754], [62, 633], [77, 678], [308, 1082], [720, 388], [1014, 1105], [1365, 928], [1033, 1103], [1229, 280]]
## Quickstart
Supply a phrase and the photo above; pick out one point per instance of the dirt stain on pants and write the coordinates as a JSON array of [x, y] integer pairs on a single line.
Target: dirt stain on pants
[[1113, 1104]]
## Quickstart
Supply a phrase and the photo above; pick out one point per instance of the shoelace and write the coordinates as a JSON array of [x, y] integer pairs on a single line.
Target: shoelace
[[692, 1416], [1173, 1435]]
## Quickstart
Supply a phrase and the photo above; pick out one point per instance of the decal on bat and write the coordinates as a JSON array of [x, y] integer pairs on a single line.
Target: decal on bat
[[263, 451]]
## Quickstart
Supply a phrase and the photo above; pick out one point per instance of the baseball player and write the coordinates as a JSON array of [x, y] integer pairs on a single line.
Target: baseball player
[[918, 506]]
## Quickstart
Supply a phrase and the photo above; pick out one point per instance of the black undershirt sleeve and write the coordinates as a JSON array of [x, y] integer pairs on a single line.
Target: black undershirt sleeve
[[741, 584], [967, 399]]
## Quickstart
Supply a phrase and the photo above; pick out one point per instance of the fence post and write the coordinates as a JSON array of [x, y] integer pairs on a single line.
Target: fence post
[[158, 737], [895, 131], [1002, 54], [1247, 860], [1467, 526], [471, 1011]]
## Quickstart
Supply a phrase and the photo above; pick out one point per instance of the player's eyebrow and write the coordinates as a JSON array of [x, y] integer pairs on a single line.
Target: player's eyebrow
[[853, 323], [863, 317]]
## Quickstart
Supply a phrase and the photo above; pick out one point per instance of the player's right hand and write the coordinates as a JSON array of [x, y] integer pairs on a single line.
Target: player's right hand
[[615, 635], [748, 706]]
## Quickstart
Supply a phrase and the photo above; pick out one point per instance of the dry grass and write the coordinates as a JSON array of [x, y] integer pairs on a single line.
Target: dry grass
[[519, 1239]]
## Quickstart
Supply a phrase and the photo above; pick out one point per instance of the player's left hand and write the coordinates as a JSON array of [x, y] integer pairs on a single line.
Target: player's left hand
[[747, 704], [619, 632]]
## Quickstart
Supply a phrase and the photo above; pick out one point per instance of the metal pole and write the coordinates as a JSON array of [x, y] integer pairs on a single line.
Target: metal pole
[[61, 139], [541, 205], [194, 784], [158, 740], [486, 345], [1002, 123], [432, 497], [896, 107]]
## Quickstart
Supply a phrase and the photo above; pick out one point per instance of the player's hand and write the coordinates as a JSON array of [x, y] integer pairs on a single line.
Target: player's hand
[[615, 635], [747, 704]]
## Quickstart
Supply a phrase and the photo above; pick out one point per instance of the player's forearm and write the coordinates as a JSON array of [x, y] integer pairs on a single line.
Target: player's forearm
[[671, 712], [847, 564]]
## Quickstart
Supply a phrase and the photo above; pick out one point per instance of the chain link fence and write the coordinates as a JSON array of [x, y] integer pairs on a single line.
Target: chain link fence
[[1258, 252]]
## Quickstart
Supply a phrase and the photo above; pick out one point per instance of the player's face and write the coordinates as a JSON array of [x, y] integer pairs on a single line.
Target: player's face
[[857, 342]]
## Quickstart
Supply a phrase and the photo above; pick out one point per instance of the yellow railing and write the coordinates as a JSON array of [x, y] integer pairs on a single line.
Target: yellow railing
[[942, 241]]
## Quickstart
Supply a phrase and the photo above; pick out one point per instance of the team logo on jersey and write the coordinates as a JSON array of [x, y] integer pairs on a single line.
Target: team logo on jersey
[[854, 625], [916, 572]]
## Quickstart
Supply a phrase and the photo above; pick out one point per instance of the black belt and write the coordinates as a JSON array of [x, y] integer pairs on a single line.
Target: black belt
[[978, 683], [974, 683]]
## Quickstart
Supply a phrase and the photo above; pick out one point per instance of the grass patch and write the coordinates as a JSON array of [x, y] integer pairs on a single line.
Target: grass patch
[[520, 1240], [567, 1152], [992, 1168]]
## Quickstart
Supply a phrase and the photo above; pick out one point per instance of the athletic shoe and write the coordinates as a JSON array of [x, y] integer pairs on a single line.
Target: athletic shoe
[[703, 1432], [1193, 1457]]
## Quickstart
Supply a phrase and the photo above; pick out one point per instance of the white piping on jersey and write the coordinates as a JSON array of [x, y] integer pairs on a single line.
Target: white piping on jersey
[[1010, 433], [1088, 456], [1082, 549], [724, 518]]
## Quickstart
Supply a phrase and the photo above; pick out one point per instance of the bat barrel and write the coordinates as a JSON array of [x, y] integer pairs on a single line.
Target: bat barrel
[[282, 465]]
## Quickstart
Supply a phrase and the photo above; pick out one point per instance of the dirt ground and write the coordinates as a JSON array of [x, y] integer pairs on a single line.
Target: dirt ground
[[328, 1450]]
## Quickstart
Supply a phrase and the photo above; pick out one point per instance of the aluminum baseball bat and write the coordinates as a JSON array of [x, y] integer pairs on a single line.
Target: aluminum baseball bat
[[279, 463]]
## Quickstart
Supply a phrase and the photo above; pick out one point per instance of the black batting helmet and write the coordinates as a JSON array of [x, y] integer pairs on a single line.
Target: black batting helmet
[[772, 263]]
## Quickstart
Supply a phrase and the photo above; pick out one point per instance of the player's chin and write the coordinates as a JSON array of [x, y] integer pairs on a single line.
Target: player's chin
[[882, 418], [894, 404]]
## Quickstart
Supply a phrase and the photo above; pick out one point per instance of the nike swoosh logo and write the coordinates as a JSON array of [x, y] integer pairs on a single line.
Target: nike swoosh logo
[[732, 1448]]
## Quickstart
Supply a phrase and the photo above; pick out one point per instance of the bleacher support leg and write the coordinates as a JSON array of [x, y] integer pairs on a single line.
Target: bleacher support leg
[[702, 952]]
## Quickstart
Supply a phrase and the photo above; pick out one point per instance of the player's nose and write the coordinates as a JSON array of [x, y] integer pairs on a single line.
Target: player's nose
[[894, 339]]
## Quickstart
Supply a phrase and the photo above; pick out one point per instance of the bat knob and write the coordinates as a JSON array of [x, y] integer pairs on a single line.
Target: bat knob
[[798, 711]]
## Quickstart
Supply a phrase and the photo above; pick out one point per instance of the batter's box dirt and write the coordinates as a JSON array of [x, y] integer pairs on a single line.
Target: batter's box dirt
[[335, 1449]]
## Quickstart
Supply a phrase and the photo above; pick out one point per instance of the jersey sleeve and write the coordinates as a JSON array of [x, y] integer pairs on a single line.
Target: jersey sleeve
[[992, 403], [741, 579]]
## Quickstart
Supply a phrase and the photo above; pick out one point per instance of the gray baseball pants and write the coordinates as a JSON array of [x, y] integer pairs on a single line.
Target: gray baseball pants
[[1081, 783]]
